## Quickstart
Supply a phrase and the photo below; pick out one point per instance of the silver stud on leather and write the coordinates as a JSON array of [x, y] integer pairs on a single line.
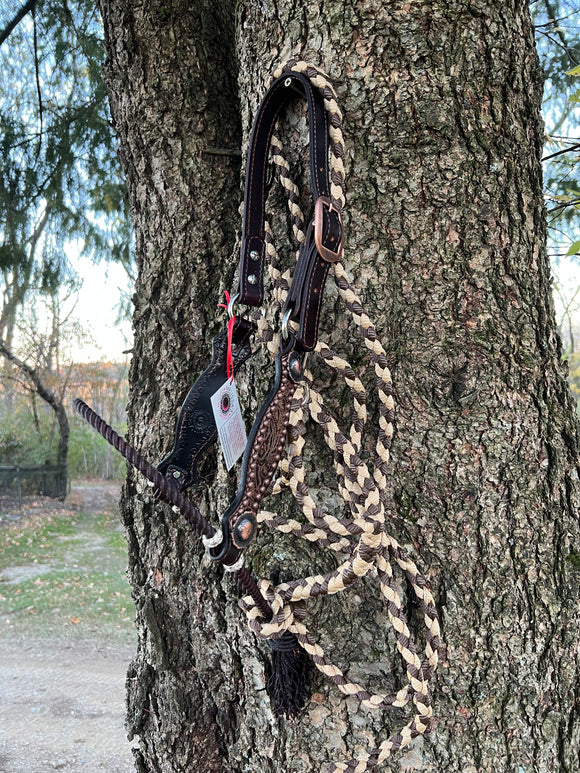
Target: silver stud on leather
[[252, 279], [254, 255]]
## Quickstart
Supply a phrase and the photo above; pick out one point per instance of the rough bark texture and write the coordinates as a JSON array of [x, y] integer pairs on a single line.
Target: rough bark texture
[[445, 242]]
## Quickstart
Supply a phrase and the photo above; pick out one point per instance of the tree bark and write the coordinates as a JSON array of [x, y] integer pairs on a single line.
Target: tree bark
[[446, 244]]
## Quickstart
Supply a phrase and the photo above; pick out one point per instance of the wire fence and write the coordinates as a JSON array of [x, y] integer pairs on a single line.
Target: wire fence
[[20, 480]]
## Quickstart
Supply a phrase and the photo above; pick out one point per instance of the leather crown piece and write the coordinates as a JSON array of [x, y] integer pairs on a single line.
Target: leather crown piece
[[196, 430]]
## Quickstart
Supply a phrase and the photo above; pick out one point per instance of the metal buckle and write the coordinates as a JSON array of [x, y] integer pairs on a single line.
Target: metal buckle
[[285, 321], [329, 254]]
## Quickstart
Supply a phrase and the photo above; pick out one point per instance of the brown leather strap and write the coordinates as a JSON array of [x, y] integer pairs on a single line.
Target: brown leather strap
[[305, 295], [327, 226]]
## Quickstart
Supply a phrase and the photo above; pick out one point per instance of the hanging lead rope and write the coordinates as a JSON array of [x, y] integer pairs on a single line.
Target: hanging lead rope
[[363, 492]]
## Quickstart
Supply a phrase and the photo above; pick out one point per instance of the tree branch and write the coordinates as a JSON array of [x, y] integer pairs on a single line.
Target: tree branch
[[561, 152], [564, 205], [48, 396], [38, 87], [57, 406], [564, 43], [11, 26]]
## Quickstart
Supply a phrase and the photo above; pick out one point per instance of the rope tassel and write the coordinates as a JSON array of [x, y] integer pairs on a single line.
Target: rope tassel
[[287, 683]]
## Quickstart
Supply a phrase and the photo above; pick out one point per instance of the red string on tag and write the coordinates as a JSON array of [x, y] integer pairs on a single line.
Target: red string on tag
[[229, 356]]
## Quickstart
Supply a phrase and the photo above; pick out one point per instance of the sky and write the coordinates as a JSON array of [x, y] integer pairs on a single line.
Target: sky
[[96, 310]]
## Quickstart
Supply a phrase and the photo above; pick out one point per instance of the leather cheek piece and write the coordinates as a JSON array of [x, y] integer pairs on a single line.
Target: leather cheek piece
[[195, 429]]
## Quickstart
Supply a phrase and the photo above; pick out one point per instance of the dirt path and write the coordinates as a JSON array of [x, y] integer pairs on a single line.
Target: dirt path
[[62, 709], [62, 702]]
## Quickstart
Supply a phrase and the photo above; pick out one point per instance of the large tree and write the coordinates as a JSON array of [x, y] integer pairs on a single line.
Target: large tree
[[446, 245]]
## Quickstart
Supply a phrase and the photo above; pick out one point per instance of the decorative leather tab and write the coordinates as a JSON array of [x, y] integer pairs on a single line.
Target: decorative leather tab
[[263, 452], [251, 289], [196, 431]]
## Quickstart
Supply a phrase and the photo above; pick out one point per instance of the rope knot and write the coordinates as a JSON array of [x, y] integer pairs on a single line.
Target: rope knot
[[286, 684], [282, 613]]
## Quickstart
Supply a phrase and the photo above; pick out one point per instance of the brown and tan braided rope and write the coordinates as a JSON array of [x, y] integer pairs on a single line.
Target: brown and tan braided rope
[[361, 538]]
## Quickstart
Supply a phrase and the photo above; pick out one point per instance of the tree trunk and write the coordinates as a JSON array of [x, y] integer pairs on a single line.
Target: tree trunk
[[446, 244]]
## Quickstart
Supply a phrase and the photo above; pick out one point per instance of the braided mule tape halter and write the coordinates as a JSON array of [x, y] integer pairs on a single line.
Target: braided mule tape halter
[[363, 492], [277, 613]]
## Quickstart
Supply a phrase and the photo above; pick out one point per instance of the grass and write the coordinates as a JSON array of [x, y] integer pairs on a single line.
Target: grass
[[63, 573]]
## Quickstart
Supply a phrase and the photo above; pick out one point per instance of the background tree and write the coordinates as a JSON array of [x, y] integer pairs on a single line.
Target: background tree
[[558, 43], [58, 173], [558, 40], [60, 190], [38, 385], [447, 243], [37, 428]]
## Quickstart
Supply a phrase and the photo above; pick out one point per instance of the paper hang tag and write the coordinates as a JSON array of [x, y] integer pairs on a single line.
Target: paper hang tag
[[229, 422]]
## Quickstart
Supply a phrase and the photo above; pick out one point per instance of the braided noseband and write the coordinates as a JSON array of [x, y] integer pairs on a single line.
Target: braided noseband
[[277, 613]]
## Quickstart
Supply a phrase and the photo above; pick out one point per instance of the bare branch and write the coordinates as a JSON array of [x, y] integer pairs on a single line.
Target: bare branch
[[37, 76], [47, 395], [55, 403], [11, 26], [564, 205], [561, 152]]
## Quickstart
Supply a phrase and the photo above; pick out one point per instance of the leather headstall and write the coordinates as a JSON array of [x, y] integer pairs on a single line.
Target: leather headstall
[[323, 245]]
